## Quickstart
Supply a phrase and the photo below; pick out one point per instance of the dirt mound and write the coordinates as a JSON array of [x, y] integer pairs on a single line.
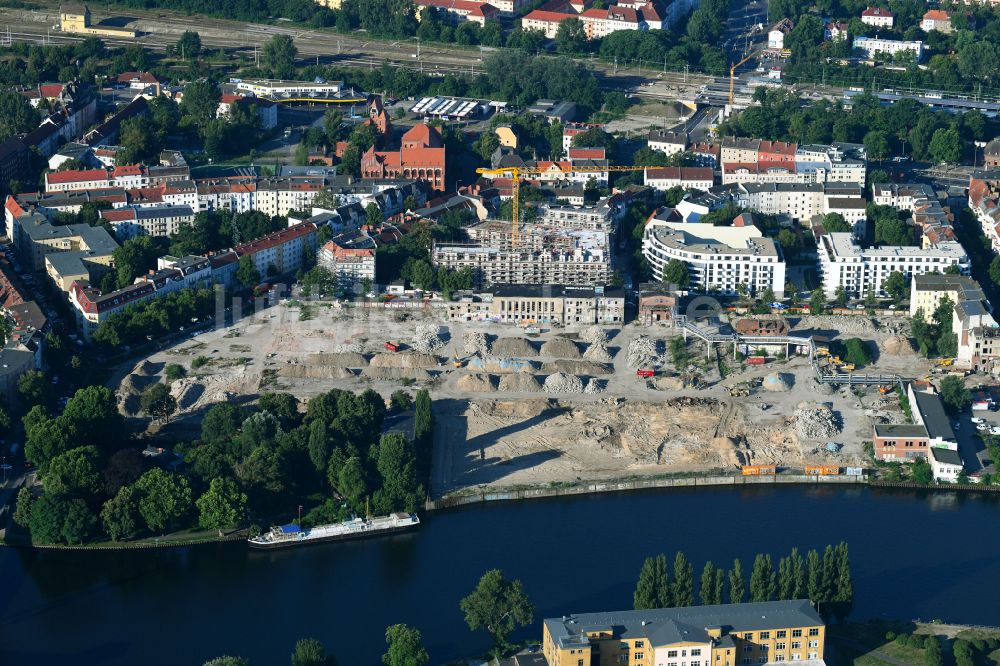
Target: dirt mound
[[577, 367], [595, 335], [815, 421], [136, 383], [560, 382], [390, 374], [560, 347], [778, 382], [338, 360], [404, 360], [349, 348], [476, 383], [668, 383], [475, 343], [316, 372], [594, 386], [898, 345], [598, 351], [148, 368], [428, 338], [520, 382], [513, 348], [512, 408]]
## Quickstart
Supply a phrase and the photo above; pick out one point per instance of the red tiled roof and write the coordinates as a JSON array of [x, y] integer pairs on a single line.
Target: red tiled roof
[[937, 15], [76, 176], [275, 239], [876, 11], [586, 154], [127, 170], [681, 173], [423, 134], [547, 17], [142, 77], [118, 214]]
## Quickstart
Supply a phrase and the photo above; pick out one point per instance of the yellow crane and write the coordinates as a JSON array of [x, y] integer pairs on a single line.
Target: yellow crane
[[515, 173], [732, 76]]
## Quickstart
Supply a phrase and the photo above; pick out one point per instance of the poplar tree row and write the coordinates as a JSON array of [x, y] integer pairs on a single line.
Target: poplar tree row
[[824, 579]]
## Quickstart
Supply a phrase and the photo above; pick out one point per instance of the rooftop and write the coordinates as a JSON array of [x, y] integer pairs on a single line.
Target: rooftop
[[933, 415]]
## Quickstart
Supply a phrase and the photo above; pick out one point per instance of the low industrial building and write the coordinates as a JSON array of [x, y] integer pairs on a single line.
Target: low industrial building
[[528, 304]]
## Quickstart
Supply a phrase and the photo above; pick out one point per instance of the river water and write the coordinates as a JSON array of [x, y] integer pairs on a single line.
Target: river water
[[915, 555]]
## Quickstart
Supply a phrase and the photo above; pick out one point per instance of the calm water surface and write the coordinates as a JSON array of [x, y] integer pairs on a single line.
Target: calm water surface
[[915, 555]]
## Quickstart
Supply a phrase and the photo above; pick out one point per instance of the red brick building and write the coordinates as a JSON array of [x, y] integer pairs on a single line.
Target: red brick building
[[422, 155], [900, 442], [378, 117]]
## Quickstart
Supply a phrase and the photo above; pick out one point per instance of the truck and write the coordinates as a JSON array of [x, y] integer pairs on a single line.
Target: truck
[[645, 373], [755, 360], [392, 345]]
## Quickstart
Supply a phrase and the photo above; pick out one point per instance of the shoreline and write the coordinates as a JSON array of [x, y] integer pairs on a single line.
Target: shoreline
[[581, 488]]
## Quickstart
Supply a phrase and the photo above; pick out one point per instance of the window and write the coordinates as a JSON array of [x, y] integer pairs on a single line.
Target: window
[[684, 653], [696, 652], [579, 662], [638, 645], [779, 657], [796, 656], [747, 649], [796, 645], [813, 655], [765, 635], [638, 656], [796, 633], [781, 634], [671, 653], [748, 636], [746, 660], [813, 644], [779, 646], [814, 631]]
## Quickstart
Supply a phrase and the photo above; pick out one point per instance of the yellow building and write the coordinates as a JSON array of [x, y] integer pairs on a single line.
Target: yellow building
[[77, 19], [333, 4], [726, 635], [507, 136], [928, 290]]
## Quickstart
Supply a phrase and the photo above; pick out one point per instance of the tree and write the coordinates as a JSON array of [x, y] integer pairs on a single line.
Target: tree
[[876, 145], [682, 588], [843, 595], [164, 498], [653, 587], [797, 571], [817, 302], [35, 389], [279, 56], [157, 402], [856, 352], [92, 414], [45, 438], [350, 482], [374, 216], [710, 589], [222, 506], [737, 586], [946, 146], [310, 652], [676, 273], [133, 258], [246, 272], [995, 270], [75, 473], [814, 568], [189, 45], [120, 515], [932, 651], [227, 660], [498, 606], [954, 395], [405, 647], [571, 37], [16, 115], [895, 286], [835, 223], [763, 581], [200, 104]]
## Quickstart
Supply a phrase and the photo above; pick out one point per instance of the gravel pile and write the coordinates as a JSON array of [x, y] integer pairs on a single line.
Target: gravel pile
[[569, 367], [520, 382], [594, 386], [847, 325], [513, 348], [427, 338], [560, 382], [349, 348], [598, 351], [814, 421], [898, 345], [338, 360], [777, 382], [476, 383], [475, 343], [390, 374], [315, 372], [560, 347], [595, 335], [404, 360], [641, 352]]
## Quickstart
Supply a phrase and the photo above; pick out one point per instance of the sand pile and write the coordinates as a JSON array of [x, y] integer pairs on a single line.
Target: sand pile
[[338, 360], [349, 348], [136, 383], [594, 386], [404, 360], [148, 368], [560, 382], [497, 365], [594, 335], [476, 383], [777, 382], [475, 343], [898, 345], [427, 338], [668, 383], [393, 373], [641, 352], [815, 421], [513, 347], [521, 382], [598, 351], [577, 367], [560, 347], [316, 372]]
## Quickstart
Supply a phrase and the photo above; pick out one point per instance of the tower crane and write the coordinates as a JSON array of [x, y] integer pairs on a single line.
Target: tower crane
[[515, 173], [732, 76]]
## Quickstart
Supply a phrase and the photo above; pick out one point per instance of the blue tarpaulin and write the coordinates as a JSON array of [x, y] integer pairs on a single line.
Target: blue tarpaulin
[[290, 528]]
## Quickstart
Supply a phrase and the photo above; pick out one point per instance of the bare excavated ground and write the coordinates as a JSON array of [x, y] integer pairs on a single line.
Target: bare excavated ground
[[560, 407]]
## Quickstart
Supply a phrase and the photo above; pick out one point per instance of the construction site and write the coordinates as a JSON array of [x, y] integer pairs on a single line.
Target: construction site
[[558, 405]]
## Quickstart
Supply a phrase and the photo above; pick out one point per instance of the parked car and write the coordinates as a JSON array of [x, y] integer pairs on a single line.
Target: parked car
[[976, 419]]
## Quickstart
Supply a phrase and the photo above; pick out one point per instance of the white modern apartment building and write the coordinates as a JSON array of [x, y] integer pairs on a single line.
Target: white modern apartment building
[[278, 196], [666, 142], [274, 88], [133, 221], [874, 46], [350, 265], [846, 264], [282, 252], [718, 258]]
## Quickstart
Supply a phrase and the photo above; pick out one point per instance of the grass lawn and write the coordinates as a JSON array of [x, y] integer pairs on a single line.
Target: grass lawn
[[853, 644]]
